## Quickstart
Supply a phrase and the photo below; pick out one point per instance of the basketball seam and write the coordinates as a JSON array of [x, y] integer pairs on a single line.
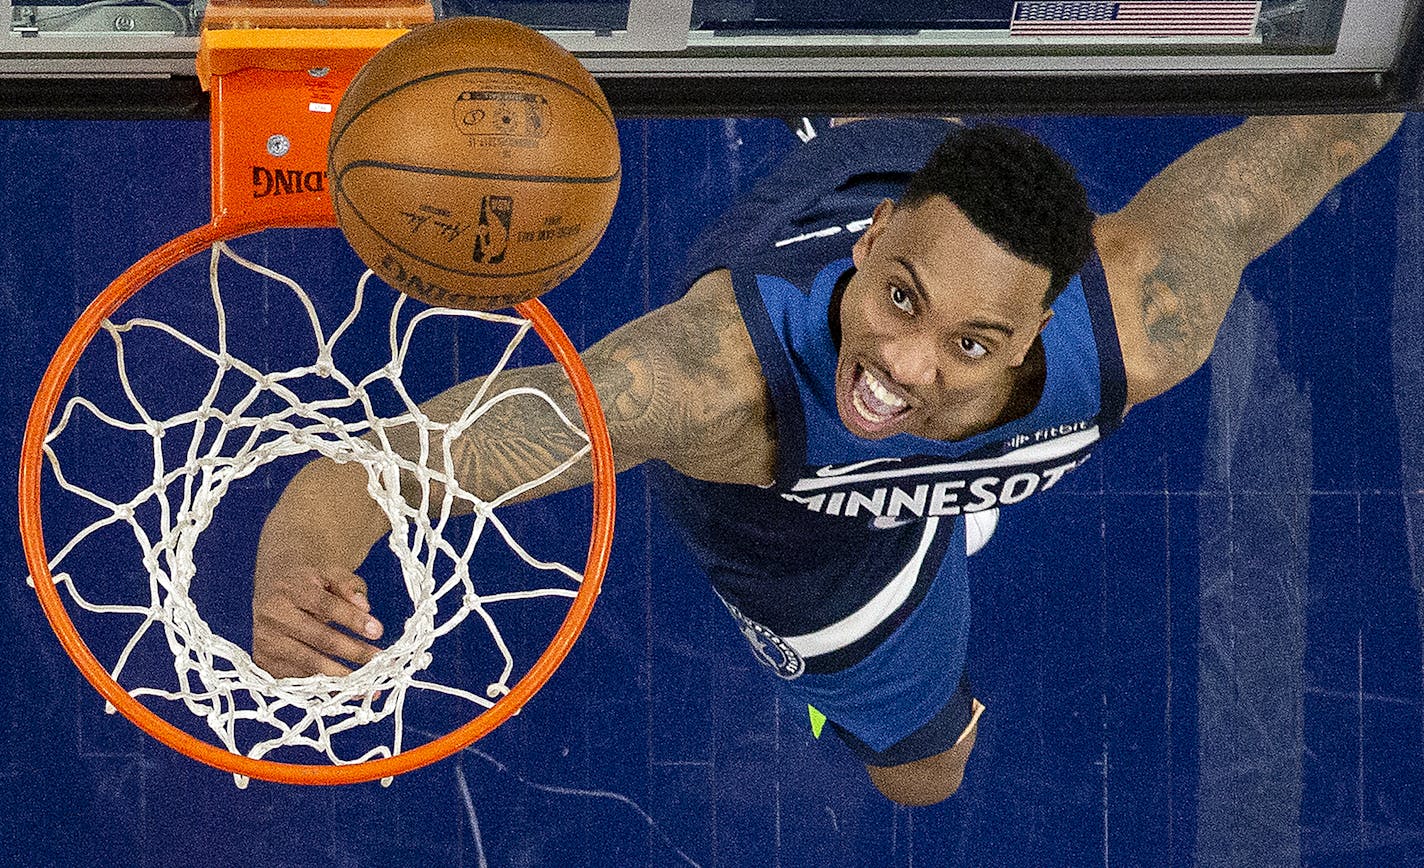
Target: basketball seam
[[482, 176], [337, 134]]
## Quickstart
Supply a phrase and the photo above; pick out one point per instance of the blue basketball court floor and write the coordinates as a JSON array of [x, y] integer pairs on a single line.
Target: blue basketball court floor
[[1202, 648]]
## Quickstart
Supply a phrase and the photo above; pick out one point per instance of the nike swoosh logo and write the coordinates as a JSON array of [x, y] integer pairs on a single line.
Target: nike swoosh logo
[[833, 470]]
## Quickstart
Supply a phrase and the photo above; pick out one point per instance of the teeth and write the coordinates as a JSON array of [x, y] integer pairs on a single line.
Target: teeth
[[880, 392], [878, 389], [865, 411], [874, 401]]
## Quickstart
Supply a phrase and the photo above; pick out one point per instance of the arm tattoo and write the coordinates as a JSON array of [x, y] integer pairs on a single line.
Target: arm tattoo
[[697, 399], [1224, 203], [673, 385], [517, 439]]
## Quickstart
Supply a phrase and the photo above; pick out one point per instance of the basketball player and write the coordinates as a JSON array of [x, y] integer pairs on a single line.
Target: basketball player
[[906, 326]]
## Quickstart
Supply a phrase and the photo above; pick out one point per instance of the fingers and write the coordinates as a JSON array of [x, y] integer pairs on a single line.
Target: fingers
[[351, 588], [284, 657], [312, 628], [340, 598], [300, 622]]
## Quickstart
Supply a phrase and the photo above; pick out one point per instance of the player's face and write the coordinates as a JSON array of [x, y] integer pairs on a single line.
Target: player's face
[[934, 323]]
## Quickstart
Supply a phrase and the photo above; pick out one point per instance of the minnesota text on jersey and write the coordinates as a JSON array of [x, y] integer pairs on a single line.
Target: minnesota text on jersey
[[946, 488]]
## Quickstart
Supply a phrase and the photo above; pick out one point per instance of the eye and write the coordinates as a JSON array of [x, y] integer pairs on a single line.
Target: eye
[[972, 348], [901, 299]]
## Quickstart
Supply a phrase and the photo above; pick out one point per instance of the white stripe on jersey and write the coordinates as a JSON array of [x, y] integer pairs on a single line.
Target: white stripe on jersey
[[1036, 453], [859, 623]]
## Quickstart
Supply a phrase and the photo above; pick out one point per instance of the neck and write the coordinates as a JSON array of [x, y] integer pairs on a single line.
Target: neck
[[1025, 386]]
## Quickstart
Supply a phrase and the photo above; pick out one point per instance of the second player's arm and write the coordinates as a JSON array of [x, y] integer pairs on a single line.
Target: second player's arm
[[1175, 254]]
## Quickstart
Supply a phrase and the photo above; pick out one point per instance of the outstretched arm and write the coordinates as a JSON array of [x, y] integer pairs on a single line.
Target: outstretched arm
[[1174, 256], [681, 384]]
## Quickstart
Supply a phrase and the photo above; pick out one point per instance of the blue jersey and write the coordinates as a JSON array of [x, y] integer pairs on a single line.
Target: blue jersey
[[851, 532]]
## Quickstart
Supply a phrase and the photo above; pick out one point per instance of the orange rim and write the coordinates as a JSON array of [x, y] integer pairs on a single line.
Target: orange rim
[[42, 411]]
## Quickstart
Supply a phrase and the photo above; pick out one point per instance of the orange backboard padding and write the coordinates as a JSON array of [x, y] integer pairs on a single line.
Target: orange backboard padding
[[277, 71], [270, 130], [275, 93]]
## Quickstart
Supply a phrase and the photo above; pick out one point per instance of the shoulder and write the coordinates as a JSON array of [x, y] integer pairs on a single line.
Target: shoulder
[[706, 326], [683, 384], [1143, 300]]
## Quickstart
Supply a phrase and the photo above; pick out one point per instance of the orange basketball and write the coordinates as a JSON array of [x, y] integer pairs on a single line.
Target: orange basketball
[[474, 163]]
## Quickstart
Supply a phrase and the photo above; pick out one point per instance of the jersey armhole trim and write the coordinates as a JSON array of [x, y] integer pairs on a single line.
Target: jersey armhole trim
[[1112, 376], [789, 417]]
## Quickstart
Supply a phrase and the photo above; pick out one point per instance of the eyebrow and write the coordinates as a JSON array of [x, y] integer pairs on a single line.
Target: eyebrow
[[982, 325]]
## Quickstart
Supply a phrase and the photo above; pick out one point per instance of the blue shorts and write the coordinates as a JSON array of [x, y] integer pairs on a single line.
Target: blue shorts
[[902, 693], [935, 737]]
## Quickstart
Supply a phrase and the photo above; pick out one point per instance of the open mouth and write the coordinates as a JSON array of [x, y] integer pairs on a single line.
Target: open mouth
[[877, 407]]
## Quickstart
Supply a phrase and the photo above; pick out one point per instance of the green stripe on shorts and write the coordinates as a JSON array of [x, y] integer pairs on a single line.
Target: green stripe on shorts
[[818, 720]]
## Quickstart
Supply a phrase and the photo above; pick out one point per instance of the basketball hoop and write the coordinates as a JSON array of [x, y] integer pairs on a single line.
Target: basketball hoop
[[213, 673]]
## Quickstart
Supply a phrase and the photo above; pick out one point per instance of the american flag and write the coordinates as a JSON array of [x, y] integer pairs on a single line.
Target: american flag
[[1140, 18]]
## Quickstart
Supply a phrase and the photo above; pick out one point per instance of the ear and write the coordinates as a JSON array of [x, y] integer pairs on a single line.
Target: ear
[[872, 232]]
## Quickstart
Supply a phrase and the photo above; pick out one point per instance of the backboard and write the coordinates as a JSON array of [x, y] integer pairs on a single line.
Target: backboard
[[133, 58]]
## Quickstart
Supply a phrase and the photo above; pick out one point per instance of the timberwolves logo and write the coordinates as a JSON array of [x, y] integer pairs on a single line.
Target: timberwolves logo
[[503, 114], [769, 648]]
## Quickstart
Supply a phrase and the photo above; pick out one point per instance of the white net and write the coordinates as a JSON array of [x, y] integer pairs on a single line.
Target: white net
[[247, 418]]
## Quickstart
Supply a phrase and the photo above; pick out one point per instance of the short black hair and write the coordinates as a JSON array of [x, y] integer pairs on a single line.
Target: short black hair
[[1016, 190]]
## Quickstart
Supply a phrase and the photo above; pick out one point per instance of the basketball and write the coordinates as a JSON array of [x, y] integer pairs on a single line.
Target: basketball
[[473, 163]]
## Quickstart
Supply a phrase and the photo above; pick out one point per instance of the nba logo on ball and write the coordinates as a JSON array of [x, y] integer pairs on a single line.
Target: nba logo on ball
[[492, 234], [486, 115], [522, 183]]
